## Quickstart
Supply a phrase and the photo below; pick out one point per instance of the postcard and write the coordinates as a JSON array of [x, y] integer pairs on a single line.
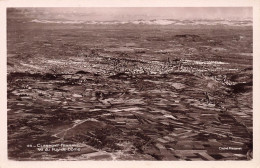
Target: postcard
[[130, 83]]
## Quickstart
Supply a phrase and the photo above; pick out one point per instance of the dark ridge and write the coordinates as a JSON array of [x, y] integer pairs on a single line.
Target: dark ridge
[[188, 37], [82, 72], [120, 75], [176, 60], [58, 89], [157, 157], [217, 156], [48, 76], [11, 64], [242, 87], [248, 69], [96, 74], [22, 74]]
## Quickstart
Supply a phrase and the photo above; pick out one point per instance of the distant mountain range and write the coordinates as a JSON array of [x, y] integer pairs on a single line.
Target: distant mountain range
[[153, 22]]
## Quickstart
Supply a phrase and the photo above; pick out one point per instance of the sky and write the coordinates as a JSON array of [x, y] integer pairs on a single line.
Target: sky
[[145, 13]]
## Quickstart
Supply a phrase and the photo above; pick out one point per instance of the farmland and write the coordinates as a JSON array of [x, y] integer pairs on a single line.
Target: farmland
[[129, 92]]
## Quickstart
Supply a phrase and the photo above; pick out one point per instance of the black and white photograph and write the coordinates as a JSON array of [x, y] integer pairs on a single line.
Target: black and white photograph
[[129, 83]]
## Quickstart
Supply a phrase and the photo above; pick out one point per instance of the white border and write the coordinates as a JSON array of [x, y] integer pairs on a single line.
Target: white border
[[4, 162]]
